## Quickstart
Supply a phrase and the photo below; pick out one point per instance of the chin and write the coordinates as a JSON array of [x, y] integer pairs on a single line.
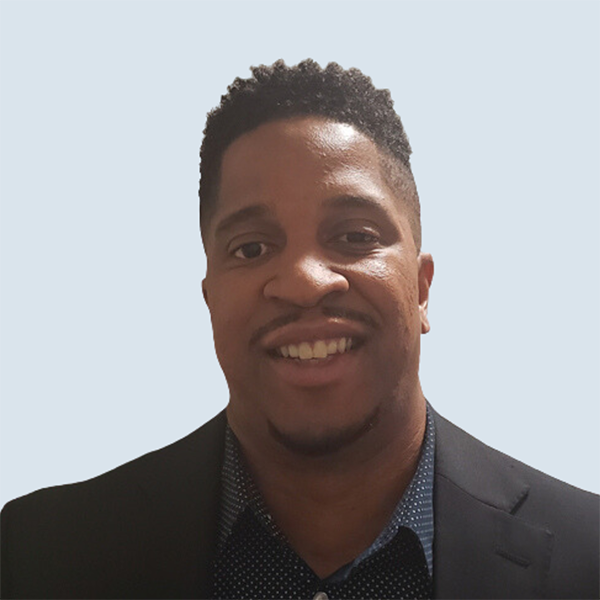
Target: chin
[[323, 442]]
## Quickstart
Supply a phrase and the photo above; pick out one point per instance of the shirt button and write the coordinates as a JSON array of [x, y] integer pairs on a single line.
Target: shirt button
[[321, 596]]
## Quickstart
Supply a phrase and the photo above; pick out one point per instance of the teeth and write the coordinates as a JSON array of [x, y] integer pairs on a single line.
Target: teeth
[[305, 351], [318, 349]]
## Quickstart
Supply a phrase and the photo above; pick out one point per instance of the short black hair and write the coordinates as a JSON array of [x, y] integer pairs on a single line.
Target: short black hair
[[277, 92]]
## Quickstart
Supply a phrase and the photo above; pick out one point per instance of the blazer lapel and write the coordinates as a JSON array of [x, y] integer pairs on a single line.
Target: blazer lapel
[[481, 548], [209, 498], [182, 505]]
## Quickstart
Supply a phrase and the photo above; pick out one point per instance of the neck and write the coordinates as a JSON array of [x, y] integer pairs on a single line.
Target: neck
[[331, 508]]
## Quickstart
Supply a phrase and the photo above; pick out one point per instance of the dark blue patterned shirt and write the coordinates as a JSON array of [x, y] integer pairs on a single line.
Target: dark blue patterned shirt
[[414, 510]]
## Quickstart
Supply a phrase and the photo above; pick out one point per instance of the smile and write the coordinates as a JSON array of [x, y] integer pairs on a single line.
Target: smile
[[318, 349]]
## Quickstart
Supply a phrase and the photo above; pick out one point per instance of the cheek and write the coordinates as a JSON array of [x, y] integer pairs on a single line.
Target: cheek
[[392, 285], [230, 297], [230, 312], [231, 348]]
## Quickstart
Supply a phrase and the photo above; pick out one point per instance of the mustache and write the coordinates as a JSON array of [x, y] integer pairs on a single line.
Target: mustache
[[328, 311]]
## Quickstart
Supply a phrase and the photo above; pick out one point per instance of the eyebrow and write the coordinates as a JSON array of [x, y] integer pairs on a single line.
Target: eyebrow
[[253, 211], [256, 211], [364, 202]]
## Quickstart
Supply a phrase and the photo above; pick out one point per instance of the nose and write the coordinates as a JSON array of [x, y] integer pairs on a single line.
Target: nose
[[305, 281]]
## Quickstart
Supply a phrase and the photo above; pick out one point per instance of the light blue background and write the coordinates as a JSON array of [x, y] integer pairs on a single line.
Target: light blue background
[[106, 342]]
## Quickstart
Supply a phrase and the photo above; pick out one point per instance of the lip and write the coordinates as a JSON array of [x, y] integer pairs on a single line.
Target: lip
[[322, 372], [311, 331]]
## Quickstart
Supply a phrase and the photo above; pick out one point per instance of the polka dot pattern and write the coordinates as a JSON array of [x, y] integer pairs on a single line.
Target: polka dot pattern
[[415, 509], [254, 564], [255, 561]]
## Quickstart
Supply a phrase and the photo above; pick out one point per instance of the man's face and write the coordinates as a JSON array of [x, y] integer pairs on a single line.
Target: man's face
[[316, 291]]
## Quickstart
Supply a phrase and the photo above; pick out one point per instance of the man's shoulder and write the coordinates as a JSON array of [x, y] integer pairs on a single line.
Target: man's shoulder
[[125, 533], [194, 455], [498, 479], [530, 534]]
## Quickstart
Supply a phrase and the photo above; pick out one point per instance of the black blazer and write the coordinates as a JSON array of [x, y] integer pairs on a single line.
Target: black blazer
[[148, 528]]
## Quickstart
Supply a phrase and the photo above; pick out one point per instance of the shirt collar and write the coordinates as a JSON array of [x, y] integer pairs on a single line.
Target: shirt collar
[[414, 510]]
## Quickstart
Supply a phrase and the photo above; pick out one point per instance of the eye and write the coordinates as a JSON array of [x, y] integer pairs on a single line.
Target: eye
[[358, 237], [251, 250], [359, 242]]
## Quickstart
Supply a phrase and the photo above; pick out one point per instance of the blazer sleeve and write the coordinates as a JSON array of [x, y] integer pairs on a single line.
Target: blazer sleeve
[[5, 593]]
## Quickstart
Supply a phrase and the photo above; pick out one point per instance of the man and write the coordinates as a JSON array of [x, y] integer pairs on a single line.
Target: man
[[329, 475]]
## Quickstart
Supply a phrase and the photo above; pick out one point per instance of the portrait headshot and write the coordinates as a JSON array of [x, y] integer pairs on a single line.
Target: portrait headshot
[[299, 299]]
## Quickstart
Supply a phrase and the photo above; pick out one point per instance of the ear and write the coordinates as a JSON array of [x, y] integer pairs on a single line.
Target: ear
[[425, 262], [205, 292]]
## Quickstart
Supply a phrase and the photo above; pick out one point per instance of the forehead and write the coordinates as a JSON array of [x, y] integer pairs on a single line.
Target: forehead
[[309, 134], [298, 153]]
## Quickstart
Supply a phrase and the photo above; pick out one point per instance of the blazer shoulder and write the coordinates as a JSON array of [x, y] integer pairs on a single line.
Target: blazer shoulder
[[197, 450], [566, 517], [126, 527], [498, 479]]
